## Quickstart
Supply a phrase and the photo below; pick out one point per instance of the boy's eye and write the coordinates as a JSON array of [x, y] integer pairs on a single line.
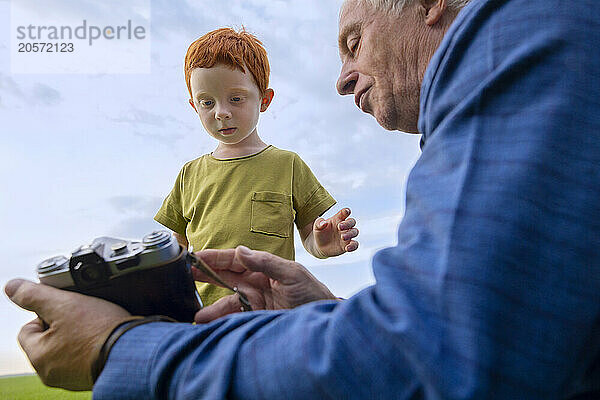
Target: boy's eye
[[236, 99], [206, 103]]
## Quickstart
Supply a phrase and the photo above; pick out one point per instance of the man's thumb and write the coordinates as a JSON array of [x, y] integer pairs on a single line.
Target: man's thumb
[[32, 296], [12, 286]]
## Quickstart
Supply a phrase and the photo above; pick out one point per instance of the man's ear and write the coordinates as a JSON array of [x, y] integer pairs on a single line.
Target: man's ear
[[434, 9], [266, 99], [193, 106]]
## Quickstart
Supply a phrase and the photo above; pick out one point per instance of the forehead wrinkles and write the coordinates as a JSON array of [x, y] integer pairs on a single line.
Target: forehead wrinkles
[[352, 21], [355, 16]]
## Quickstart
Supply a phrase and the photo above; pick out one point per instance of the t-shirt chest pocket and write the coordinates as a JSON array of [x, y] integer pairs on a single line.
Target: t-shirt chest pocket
[[272, 214]]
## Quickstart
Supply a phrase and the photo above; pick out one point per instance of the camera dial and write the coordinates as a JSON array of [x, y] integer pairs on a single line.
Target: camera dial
[[53, 264], [156, 238]]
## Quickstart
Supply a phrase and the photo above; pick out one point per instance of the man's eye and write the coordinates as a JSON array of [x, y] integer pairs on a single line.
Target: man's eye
[[236, 99], [206, 103], [353, 45]]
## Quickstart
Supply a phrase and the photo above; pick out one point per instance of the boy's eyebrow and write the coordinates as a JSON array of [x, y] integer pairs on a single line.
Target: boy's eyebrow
[[233, 89], [240, 89], [199, 94]]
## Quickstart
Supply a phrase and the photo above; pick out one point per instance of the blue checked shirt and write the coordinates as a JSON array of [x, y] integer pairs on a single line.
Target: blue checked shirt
[[493, 290]]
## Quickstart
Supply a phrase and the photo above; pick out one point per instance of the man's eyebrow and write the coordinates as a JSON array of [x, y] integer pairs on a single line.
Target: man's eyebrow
[[346, 30]]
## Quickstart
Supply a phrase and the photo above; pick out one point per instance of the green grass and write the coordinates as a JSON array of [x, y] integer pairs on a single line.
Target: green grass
[[29, 387]]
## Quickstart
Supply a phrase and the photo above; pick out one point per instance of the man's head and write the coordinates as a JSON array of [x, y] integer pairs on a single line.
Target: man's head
[[385, 46], [227, 74]]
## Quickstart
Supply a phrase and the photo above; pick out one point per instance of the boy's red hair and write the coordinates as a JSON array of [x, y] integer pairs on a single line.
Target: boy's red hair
[[235, 49]]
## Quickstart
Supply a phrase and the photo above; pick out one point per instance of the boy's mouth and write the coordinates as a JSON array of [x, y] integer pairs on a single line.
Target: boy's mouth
[[227, 131]]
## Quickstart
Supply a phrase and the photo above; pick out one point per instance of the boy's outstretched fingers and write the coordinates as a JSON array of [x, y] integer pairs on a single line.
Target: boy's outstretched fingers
[[347, 229], [334, 236], [320, 224], [353, 245], [342, 214]]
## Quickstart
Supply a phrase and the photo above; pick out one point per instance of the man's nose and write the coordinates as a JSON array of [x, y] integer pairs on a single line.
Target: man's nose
[[346, 82]]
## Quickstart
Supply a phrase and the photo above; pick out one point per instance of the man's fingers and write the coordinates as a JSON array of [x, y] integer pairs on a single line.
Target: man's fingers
[[271, 265], [200, 276], [36, 297], [226, 305], [220, 259], [231, 278], [29, 335], [32, 328]]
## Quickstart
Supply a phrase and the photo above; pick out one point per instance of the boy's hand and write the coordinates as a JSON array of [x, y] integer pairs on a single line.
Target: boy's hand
[[333, 236]]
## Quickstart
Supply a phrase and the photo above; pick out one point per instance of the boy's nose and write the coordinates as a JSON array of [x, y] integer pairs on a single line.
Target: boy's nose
[[222, 114]]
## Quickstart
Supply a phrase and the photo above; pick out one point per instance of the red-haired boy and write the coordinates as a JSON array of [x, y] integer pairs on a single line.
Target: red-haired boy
[[245, 192]]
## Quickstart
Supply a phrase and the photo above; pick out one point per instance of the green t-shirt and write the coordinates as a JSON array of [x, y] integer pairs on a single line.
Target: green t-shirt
[[252, 201]]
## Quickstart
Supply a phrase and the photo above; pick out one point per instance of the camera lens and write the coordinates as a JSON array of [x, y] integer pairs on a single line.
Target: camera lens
[[91, 273]]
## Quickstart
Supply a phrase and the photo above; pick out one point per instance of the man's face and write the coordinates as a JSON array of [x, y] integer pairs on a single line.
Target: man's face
[[384, 57], [227, 101]]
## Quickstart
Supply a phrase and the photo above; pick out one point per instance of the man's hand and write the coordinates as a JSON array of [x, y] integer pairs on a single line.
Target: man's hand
[[65, 339], [269, 282], [333, 236]]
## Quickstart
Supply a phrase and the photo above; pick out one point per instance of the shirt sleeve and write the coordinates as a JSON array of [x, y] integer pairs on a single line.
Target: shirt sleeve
[[310, 198], [170, 213], [493, 289]]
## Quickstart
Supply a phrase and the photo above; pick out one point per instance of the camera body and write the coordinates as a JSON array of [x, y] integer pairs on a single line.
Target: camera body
[[151, 277]]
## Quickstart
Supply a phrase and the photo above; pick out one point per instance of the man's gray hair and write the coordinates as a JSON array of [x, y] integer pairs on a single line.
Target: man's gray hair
[[397, 6]]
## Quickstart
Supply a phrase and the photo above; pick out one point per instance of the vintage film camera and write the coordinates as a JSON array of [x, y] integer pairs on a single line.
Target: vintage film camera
[[151, 277]]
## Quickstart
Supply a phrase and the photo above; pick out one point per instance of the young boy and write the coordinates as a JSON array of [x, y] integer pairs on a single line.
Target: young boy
[[245, 192]]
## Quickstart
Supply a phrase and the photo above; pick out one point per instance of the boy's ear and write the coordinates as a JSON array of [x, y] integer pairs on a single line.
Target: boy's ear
[[192, 104], [266, 99]]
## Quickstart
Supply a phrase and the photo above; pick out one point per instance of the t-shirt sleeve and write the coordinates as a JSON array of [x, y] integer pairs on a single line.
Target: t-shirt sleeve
[[170, 213], [310, 198]]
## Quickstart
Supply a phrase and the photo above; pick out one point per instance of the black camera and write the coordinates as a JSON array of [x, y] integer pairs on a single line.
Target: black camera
[[151, 277]]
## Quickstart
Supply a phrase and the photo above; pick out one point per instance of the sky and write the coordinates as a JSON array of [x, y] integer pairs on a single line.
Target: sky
[[89, 154]]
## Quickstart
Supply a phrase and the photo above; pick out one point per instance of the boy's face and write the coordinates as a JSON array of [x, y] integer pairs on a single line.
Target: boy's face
[[228, 102]]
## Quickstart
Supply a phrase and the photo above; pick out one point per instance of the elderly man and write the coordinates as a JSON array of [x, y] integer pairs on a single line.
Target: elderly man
[[493, 290]]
